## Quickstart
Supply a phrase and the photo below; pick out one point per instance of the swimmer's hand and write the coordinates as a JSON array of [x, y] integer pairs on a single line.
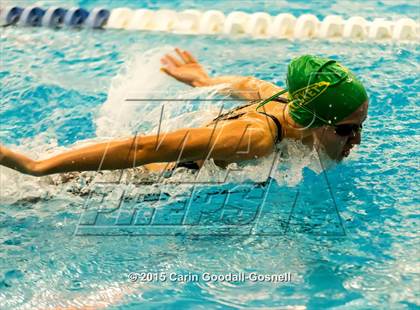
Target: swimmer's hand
[[185, 68]]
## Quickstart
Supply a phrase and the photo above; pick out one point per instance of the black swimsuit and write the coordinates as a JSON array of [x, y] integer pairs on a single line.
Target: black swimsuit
[[192, 165]]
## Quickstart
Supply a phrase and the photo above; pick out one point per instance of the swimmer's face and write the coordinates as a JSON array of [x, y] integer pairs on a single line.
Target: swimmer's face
[[338, 146]]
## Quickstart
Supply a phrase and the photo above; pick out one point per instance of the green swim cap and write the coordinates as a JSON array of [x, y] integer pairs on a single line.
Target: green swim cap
[[321, 91]]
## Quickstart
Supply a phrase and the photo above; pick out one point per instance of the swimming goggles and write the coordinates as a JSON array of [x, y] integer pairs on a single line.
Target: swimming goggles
[[346, 130]]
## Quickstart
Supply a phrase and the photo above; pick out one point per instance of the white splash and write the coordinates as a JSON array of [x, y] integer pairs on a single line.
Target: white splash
[[141, 95]]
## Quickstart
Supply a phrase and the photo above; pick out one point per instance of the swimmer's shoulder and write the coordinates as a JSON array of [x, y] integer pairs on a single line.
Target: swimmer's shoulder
[[254, 128], [267, 90]]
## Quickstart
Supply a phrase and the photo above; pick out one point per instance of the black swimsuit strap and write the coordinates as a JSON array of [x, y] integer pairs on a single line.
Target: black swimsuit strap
[[230, 114], [278, 125], [281, 99]]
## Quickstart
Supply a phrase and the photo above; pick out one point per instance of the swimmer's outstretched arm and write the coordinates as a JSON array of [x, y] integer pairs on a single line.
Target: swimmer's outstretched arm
[[185, 68], [181, 145]]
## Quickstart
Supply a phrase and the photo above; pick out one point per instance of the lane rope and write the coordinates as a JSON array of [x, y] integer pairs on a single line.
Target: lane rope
[[195, 22]]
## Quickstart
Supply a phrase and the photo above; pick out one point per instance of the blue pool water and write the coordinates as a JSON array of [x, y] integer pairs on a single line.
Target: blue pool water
[[351, 245]]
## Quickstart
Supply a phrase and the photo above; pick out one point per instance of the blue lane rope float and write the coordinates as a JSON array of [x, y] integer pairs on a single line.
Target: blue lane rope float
[[53, 17], [31, 16], [97, 18], [75, 17], [10, 15]]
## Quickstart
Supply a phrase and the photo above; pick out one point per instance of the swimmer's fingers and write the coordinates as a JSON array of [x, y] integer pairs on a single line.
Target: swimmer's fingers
[[171, 61], [190, 57], [170, 65], [182, 55]]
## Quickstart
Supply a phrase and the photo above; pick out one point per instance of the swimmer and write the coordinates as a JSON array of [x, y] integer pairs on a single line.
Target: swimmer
[[323, 106]]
